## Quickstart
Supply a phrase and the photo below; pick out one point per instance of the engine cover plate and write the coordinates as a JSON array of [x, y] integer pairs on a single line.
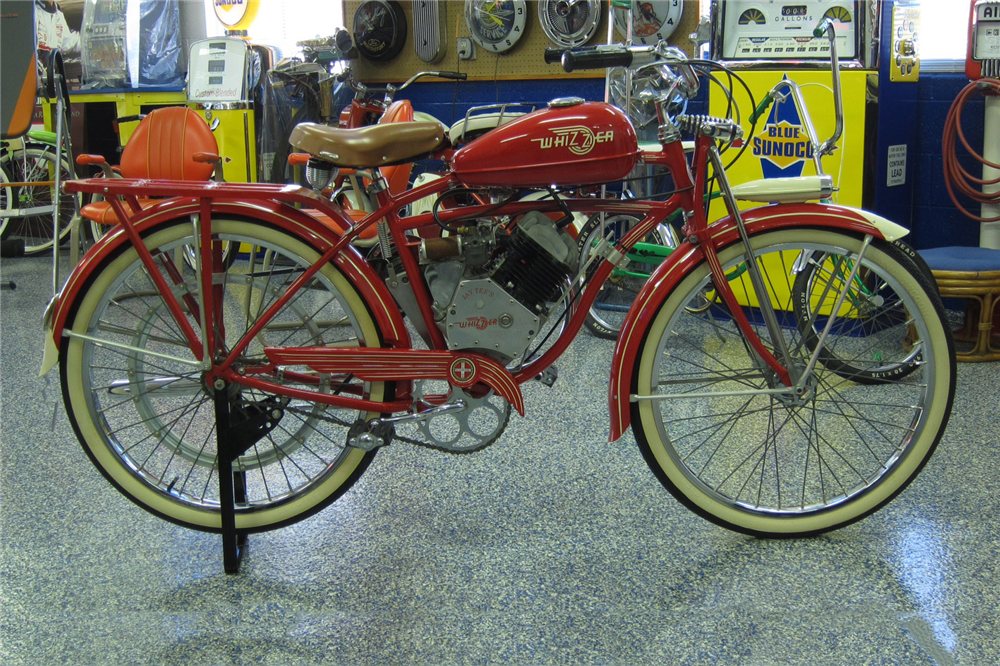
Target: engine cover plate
[[484, 316]]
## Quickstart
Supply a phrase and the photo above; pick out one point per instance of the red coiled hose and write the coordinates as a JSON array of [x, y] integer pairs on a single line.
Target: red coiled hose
[[956, 178]]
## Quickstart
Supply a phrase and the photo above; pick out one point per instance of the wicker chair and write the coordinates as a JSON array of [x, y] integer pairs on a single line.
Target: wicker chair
[[972, 273]]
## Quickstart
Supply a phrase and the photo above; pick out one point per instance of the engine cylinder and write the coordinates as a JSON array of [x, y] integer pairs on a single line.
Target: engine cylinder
[[538, 259]]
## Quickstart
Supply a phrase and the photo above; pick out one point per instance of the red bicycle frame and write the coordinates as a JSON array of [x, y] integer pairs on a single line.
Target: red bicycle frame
[[278, 202]]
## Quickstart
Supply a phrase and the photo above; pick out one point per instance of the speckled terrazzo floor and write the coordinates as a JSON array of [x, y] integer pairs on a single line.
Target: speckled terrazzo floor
[[551, 547]]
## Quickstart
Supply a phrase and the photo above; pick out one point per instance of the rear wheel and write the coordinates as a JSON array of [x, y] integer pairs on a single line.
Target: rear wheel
[[769, 462], [144, 414], [873, 342], [98, 230], [6, 200]]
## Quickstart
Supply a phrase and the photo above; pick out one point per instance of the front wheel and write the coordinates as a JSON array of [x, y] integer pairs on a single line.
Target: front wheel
[[726, 438], [144, 413], [35, 168]]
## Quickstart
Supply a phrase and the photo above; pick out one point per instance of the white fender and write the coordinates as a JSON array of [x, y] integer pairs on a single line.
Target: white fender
[[425, 205], [890, 230]]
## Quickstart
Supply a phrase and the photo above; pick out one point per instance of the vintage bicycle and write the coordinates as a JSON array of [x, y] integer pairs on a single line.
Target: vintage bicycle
[[31, 168], [240, 398]]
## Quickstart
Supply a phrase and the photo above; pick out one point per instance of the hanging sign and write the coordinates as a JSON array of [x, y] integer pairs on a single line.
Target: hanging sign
[[236, 14], [896, 173]]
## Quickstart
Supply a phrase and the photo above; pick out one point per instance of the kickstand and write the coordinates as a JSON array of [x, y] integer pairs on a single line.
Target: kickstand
[[239, 425], [232, 485]]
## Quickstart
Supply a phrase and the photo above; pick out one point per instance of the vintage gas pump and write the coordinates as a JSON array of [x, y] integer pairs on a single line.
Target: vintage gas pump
[[983, 56], [223, 73], [219, 85], [770, 40], [983, 61]]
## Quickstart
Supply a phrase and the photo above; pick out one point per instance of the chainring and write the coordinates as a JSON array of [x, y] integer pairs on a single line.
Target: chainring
[[475, 427]]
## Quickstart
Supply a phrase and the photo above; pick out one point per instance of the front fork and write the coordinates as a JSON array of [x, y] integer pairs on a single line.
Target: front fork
[[780, 361]]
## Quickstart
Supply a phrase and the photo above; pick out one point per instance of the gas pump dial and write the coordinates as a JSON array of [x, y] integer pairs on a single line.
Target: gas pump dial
[[750, 30], [905, 65]]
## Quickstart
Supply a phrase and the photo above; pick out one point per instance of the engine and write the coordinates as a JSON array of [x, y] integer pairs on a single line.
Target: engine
[[494, 286]]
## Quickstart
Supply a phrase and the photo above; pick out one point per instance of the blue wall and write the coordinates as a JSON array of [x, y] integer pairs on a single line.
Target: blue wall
[[934, 220], [449, 101]]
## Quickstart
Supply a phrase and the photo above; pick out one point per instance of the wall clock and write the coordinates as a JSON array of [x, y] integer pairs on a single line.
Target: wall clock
[[569, 23], [496, 25], [379, 29], [652, 20]]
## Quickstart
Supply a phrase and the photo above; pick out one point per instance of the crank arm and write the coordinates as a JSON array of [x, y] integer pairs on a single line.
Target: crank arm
[[457, 407]]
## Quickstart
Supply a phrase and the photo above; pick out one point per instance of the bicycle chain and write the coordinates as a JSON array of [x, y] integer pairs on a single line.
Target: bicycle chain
[[395, 435]]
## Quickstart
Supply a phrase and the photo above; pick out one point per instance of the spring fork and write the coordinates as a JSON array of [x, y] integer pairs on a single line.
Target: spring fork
[[766, 307], [385, 243]]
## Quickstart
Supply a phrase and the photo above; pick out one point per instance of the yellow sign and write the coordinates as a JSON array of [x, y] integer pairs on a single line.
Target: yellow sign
[[236, 14], [779, 146], [905, 65], [783, 144]]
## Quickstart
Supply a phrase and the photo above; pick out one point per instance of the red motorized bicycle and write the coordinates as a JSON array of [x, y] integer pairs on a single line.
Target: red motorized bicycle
[[249, 396]]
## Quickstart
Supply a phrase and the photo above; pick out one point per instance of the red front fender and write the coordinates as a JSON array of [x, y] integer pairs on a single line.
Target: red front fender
[[687, 256], [322, 237]]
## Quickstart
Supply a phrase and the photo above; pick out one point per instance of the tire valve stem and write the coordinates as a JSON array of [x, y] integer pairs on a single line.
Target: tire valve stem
[[170, 486]]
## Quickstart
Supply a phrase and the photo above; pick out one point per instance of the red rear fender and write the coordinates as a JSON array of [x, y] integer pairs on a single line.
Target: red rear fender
[[321, 236]]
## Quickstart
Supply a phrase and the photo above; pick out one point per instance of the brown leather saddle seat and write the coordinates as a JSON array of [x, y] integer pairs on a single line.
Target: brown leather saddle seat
[[366, 147]]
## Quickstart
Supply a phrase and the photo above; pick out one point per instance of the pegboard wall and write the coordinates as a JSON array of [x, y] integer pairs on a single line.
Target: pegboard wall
[[523, 61]]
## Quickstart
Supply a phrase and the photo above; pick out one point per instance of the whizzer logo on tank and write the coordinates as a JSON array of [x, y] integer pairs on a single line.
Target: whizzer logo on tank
[[578, 139]]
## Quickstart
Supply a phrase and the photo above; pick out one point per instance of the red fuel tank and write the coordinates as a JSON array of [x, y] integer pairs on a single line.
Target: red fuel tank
[[581, 144]]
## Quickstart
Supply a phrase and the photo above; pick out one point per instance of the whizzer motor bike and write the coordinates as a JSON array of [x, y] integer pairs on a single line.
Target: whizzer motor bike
[[249, 395]]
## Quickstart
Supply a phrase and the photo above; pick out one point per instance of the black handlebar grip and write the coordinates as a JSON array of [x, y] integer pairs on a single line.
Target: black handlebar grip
[[458, 76], [54, 65], [552, 55], [596, 59]]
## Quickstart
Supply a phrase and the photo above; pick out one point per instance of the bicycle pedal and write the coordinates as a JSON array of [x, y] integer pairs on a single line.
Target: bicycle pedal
[[548, 376], [368, 435]]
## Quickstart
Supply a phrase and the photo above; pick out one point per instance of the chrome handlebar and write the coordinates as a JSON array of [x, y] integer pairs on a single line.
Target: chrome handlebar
[[362, 91], [676, 70], [828, 146]]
